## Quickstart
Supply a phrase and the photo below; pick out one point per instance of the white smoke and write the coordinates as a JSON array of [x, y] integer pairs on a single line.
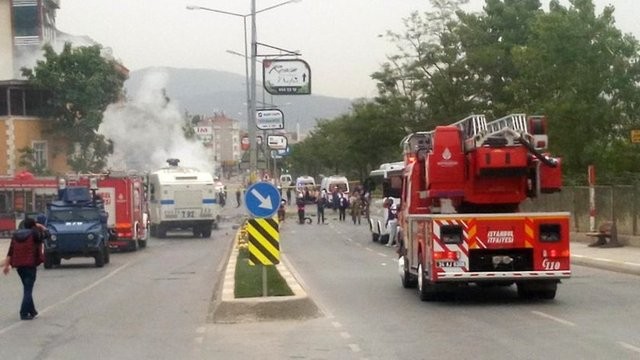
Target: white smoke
[[147, 130]]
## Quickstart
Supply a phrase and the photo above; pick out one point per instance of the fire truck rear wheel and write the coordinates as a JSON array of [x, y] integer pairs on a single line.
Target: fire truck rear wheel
[[426, 291], [408, 280], [206, 232]]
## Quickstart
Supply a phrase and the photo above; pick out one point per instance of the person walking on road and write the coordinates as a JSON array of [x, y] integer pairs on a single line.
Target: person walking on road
[[343, 204], [321, 203], [238, 196], [25, 254], [356, 208]]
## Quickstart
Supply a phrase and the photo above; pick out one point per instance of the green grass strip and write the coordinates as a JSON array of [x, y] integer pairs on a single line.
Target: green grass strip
[[248, 279]]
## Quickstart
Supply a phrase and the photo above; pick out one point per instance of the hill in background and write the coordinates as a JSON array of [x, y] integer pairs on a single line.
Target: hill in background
[[205, 92]]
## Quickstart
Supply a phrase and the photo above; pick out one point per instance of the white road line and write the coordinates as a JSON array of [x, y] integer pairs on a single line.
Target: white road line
[[336, 324], [68, 298], [383, 255], [345, 335], [551, 317], [629, 346], [355, 348], [369, 249]]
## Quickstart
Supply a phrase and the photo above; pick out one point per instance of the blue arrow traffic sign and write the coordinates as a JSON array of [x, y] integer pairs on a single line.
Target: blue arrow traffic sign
[[262, 199]]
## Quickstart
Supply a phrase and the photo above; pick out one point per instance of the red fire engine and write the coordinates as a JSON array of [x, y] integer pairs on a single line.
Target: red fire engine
[[124, 201], [24, 195], [123, 194], [459, 220]]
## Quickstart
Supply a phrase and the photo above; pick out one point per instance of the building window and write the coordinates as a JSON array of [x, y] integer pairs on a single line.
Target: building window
[[40, 154], [25, 19]]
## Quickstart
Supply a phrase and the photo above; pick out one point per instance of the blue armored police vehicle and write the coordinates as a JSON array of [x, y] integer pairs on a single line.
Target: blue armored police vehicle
[[77, 224]]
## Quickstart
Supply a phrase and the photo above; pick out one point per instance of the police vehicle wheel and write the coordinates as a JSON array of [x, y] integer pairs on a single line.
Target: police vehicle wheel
[[107, 255], [57, 260], [99, 257], [48, 261]]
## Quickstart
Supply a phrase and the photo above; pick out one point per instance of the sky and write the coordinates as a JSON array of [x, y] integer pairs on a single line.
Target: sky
[[339, 39]]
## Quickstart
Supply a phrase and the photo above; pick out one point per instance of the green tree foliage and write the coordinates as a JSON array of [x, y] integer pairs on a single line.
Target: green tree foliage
[[568, 63], [579, 70], [426, 83], [28, 160], [352, 144], [81, 84]]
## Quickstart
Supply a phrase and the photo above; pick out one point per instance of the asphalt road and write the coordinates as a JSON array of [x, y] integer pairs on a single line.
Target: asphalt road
[[149, 304], [355, 281], [153, 304]]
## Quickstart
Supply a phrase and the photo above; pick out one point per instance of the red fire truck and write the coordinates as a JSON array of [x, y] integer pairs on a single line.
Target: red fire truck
[[24, 195], [123, 194], [125, 202], [459, 220]]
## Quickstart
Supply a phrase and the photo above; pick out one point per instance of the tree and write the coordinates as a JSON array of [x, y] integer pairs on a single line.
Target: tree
[[427, 84], [488, 40], [583, 73], [80, 84]]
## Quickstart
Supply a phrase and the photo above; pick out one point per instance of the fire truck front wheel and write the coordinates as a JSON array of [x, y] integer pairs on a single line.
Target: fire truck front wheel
[[426, 290]]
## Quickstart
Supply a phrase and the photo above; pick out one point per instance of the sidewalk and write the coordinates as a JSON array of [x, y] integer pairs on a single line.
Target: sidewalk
[[623, 259]]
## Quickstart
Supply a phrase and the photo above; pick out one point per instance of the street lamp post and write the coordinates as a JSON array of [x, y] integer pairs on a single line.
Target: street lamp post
[[251, 85]]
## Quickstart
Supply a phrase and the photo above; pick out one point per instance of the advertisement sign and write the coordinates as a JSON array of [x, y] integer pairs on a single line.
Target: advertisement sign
[[286, 77], [277, 142], [269, 119]]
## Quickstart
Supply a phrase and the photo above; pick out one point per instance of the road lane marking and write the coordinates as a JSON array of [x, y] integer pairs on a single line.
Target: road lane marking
[[355, 348], [68, 298], [336, 324], [556, 319], [345, 335], [629, 346]]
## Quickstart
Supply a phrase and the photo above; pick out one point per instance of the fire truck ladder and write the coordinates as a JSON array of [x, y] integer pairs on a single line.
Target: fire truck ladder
[[472, 127], [505, 131], [415, 143]]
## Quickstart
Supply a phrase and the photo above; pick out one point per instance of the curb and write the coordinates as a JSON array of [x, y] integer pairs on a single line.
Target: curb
[[230, 310], [606, 264]]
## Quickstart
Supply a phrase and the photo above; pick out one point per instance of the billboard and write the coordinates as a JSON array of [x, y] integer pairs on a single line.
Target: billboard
[[269, 119], [286, 76]]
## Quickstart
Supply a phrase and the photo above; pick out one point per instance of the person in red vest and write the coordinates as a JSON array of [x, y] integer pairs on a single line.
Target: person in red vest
[[25, 254]]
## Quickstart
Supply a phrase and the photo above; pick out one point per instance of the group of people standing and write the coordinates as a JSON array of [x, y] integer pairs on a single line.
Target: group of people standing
[[340, 202]]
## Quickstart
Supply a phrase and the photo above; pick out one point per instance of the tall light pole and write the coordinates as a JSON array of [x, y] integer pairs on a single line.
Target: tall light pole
[[251, 85]]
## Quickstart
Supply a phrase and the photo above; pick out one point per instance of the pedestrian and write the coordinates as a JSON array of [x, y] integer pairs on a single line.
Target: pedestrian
[[282, 210], [322, 203], [289, 194], [356, 208], [238, 196], [25, 254], [300, 203], [335, 199], [343, 204], [392, 224]]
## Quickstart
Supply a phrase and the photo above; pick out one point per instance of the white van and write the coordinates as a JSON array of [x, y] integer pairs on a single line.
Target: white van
[[330, 183], [286, 180], [335, 181], [306, 185]]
